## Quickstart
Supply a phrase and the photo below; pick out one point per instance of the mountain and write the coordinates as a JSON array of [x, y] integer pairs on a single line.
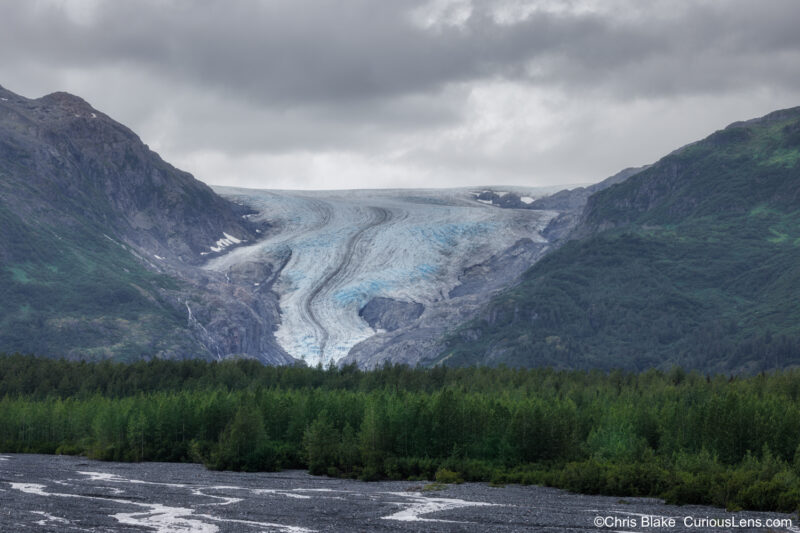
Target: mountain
[[110, 252], [65, 163], [694, 261], [570, 203], [103, 241]]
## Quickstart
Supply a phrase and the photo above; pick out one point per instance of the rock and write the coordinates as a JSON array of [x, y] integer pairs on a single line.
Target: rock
[[389, 314]]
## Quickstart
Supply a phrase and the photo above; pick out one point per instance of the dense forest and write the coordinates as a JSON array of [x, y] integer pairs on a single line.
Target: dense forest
[[685, 437]]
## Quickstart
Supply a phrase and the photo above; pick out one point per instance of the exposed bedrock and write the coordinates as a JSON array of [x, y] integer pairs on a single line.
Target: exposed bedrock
[[390, 314], [235, 313], [421, 340], [499, 271]]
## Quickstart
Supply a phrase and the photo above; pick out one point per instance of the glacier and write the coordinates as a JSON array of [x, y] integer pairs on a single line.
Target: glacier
[[339, 249]]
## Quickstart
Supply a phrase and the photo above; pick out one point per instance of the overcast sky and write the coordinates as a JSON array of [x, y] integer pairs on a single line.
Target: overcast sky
[[391, 93]]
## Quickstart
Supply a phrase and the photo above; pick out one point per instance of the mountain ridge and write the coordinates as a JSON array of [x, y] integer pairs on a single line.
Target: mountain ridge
[[691, 261], [88, 163], [104, 240]]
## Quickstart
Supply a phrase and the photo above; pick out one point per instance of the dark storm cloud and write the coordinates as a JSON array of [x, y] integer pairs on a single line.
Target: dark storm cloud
[[417, 88], [301, 51]]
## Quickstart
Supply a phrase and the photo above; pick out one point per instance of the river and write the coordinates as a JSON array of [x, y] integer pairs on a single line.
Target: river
[[41, 493]]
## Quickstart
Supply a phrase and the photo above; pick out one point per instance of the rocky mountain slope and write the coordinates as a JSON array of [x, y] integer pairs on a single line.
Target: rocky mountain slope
[[692, 261], [101, 241], [62, 161]]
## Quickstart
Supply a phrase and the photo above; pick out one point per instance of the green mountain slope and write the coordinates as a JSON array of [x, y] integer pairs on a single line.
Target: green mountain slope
[[694, 261], [67, 293], [99, 236]]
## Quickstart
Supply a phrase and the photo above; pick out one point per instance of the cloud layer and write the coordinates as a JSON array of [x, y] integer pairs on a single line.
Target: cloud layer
[[336, 94]]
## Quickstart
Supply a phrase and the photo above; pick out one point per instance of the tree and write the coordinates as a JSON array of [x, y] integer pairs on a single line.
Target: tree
[[137, 427], [243, 445], [321, 442]]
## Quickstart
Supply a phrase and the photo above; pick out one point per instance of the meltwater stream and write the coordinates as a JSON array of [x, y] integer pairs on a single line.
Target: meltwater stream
[[42, 493]]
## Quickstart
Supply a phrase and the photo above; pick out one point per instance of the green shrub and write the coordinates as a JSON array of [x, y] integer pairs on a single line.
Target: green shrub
[[448, 476]]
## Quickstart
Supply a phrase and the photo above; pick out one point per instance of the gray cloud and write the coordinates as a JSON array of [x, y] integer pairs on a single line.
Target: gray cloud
[[412, 89]]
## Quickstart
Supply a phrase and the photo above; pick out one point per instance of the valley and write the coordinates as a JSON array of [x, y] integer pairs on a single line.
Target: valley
[[112, 253], [446, 266]]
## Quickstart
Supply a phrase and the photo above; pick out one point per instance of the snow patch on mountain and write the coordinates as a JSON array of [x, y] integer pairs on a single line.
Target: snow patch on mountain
[[224, 242]]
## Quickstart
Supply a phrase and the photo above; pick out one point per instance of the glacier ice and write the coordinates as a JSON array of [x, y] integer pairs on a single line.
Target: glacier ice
[[346, 247]]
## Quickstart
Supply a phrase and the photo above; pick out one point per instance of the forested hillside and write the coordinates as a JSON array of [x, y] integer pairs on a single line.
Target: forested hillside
[[694, 261]]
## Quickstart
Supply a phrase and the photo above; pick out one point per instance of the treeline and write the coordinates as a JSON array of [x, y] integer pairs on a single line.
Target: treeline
[[682, 436], [42, 378]]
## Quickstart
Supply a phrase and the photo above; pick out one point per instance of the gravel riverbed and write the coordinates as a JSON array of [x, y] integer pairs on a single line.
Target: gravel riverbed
[[63, 494]]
